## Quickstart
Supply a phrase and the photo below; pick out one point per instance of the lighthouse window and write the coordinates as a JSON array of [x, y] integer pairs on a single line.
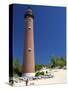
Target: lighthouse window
[[29, 49], [29, 28]]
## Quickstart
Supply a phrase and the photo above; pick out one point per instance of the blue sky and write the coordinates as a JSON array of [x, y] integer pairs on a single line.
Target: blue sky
[[49, 32]]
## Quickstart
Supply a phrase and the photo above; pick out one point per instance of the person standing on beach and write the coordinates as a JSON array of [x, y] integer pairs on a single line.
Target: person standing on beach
[[27, 82]]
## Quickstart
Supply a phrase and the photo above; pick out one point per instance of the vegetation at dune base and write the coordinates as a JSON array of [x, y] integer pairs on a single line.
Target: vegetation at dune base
[[55, 62], [17, 68]]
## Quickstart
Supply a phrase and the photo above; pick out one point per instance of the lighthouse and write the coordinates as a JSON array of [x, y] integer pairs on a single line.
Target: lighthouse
[[28, 57]]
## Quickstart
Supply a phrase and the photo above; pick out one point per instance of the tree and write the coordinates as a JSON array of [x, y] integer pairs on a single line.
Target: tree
[[17, 67], [53, 62], [58, 61], [38, 67]]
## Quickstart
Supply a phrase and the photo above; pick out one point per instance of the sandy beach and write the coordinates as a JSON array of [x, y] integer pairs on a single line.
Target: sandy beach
[[59, 78]]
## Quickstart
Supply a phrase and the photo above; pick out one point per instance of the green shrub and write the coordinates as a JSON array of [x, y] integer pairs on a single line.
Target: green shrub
[[38, 67], [39, 73]]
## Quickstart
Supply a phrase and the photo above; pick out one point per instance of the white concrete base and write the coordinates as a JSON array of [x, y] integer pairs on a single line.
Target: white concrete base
[[28, 74]]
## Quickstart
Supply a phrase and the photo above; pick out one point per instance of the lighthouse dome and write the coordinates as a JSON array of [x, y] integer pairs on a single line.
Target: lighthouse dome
[[29, 11]]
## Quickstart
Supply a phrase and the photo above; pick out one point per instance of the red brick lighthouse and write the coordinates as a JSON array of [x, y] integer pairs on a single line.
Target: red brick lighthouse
[[28, 59]]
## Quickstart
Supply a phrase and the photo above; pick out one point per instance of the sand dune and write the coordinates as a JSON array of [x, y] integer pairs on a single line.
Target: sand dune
[[59, 77]]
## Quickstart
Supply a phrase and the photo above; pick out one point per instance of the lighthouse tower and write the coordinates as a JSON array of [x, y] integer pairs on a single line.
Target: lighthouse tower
[[28, 59]]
